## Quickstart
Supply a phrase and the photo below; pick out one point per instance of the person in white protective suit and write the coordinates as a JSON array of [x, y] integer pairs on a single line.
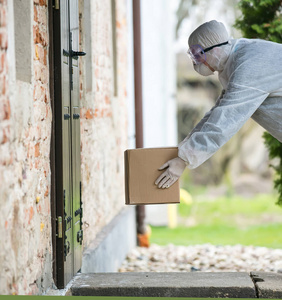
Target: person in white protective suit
[[250, 72]]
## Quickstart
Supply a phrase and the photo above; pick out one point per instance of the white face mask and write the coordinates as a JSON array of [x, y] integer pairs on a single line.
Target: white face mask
[[203, 70]]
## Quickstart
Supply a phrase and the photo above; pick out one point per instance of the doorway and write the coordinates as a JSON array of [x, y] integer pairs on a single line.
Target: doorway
[[65, 149]]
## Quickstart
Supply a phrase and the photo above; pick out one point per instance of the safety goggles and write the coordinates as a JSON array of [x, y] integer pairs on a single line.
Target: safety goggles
[[198, 55]]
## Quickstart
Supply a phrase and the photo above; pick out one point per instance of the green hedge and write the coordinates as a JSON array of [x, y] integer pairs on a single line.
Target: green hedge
[[262, 19]]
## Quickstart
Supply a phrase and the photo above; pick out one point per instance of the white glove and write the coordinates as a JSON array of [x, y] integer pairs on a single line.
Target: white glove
[[176, 166]]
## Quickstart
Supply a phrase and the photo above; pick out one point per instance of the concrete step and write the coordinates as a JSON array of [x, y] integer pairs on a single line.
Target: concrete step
[[174, 284], [269, 285]]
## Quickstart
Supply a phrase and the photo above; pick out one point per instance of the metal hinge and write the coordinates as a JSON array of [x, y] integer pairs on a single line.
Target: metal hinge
[[79, 212], [80, 236], [66, 248], [60, 227], [80, 200], [57, 4]]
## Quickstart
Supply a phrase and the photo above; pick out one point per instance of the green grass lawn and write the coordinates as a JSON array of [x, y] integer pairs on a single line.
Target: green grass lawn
[[264, 236], [225, 221]]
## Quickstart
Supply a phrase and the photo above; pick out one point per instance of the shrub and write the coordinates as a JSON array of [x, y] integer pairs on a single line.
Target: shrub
[[262, 19]]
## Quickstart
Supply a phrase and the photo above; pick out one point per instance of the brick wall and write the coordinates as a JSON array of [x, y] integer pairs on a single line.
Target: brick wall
[[25, 132], [25, 123], [104, 120]]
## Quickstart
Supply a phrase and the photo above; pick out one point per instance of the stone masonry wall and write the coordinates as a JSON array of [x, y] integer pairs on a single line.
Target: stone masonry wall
[[103, 119], [25, 131]]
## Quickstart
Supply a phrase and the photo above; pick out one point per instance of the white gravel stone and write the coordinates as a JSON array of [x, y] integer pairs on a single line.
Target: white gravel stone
[[206, 258]]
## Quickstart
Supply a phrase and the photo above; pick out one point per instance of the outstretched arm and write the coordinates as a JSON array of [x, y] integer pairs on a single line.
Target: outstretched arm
[[225, 119]]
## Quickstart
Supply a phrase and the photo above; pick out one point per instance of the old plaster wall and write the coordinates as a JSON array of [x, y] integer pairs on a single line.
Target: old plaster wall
[[25, 131], [103, 112]]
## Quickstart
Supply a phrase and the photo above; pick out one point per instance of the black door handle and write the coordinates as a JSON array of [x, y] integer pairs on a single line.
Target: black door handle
[[78, 53], [74, 54]]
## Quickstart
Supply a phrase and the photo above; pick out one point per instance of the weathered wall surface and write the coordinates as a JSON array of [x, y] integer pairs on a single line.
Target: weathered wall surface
[[25, 123], [25, 132], [104, 120]]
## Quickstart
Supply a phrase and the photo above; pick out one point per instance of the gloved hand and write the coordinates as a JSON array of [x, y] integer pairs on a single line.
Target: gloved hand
[[175, 168]]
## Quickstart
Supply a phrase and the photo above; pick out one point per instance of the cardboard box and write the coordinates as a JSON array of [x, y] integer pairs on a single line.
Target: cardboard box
[[141, 172]]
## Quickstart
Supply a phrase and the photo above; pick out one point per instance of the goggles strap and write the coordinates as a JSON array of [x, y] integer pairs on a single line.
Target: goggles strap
[[210, 48]]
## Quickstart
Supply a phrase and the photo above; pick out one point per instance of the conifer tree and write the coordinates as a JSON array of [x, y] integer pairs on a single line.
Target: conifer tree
[[263, 19]]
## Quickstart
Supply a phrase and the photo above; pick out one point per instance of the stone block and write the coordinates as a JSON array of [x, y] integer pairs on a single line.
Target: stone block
[[174, 284], [269, 285]]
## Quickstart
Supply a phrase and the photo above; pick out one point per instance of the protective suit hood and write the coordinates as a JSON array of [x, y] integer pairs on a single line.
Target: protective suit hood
[[207, 35]]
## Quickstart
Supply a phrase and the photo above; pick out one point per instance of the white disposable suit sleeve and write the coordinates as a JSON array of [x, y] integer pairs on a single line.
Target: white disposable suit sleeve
[[225, 119], [204, 119]]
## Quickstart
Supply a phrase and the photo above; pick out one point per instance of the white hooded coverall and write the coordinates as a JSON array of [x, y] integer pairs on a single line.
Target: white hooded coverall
[[252, 87]]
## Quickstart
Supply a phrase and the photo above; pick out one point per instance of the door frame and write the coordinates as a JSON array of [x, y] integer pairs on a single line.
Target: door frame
[[56, 154], [61, 260]]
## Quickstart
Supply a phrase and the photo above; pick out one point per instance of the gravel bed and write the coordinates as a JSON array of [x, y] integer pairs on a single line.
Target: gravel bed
[[206, 258]]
